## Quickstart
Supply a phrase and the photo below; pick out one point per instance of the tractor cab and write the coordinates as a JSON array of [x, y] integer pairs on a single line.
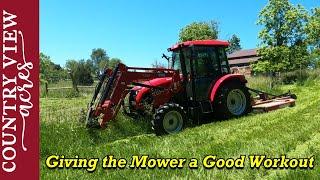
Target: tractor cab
[[201, 63]]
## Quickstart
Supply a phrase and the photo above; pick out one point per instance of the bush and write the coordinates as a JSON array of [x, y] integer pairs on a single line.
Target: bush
[[314, 74], [81, 74], [83, 77], [297, 76]]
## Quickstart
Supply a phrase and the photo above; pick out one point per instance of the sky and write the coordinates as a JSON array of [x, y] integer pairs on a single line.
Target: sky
[[139, 31]]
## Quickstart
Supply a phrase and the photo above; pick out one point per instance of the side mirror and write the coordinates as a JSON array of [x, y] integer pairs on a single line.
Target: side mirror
[[167, 58]]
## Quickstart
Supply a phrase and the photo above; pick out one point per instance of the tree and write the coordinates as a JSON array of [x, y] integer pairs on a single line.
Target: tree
[[315, 58], [50, 71], [71, 64], [234, 44], [313, 28], [113, 62], [199, 31], [99, 58], [80, 70], [90, 65], [214, 25], [283, 38], [313, 33]]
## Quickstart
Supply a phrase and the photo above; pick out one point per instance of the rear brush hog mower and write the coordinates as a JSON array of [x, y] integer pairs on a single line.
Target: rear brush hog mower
[[198, 83]]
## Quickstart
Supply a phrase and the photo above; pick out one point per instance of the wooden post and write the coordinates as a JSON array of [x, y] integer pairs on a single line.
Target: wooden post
[[46, 88]]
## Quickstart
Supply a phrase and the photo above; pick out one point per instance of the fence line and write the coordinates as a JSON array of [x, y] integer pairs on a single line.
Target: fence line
[[58, 88]]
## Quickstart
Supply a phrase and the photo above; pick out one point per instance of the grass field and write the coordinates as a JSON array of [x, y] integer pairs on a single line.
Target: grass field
[[294, 132]]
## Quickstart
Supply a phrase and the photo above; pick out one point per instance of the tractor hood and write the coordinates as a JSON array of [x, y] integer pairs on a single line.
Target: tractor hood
[[163, 82], [158, 82]]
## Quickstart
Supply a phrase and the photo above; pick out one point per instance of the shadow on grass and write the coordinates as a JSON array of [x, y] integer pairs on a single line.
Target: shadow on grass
[[212, 118], [122, 128]]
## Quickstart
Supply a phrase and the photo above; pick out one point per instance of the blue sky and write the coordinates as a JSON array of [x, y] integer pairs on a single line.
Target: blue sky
[[139, 31]]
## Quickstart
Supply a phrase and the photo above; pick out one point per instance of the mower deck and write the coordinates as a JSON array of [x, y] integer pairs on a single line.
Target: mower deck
[[273, 104]]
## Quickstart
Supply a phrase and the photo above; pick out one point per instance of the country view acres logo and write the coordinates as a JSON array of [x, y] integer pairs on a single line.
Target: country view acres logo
[[16, 96]]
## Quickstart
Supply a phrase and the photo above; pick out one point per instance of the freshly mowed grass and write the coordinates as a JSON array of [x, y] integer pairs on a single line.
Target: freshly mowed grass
[[294, 132]]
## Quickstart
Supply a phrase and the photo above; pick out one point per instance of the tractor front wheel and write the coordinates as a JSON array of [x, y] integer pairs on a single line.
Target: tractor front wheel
[[169, 119], [127, 105], [233, 100]]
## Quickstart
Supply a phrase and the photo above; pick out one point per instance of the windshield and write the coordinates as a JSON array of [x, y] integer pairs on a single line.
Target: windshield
[[176, 61]]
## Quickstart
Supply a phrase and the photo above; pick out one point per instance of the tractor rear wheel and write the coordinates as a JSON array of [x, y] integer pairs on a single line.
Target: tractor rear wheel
[[233, 100], [169, 119]]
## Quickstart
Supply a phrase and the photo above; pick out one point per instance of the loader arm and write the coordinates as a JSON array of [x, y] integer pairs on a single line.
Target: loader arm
[[111, 91]]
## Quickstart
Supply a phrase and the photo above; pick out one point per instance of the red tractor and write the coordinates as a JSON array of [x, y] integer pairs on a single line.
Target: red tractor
[[198, 84]]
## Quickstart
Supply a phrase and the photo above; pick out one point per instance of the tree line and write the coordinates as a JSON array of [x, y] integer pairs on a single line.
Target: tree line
[[82, 71], [290, 37]]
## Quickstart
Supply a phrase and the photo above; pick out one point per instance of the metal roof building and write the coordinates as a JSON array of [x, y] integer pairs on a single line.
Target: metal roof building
[[240, 61]]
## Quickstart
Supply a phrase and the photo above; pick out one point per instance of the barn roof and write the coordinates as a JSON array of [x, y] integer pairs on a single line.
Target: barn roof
[[243, 60], [242, 54], [246, 56]]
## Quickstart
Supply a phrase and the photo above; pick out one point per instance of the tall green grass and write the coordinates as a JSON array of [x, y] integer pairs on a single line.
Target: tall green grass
[[263, 83], [299, 76], [273, 84]]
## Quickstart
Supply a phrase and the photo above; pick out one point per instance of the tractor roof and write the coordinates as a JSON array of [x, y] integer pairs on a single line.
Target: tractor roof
[[200, 43]]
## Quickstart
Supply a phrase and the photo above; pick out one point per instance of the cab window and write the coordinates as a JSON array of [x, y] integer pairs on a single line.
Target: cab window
[[224, 61], [176, 61], [205, 61]]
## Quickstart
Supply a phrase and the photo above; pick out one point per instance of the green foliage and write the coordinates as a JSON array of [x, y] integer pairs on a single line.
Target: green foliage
[[82, 74], [313, 28], [199, 31], [314, 58], [283, 23], [71, 64], [281, 59], [283, 37], [72, 94], [90, 66], [84, 70], [50, 71], [264, 83], [80, 71], [299, 77], [272, 59], [295, 76], [99, 58], [234, 44], [314, 74], [113, 62]]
